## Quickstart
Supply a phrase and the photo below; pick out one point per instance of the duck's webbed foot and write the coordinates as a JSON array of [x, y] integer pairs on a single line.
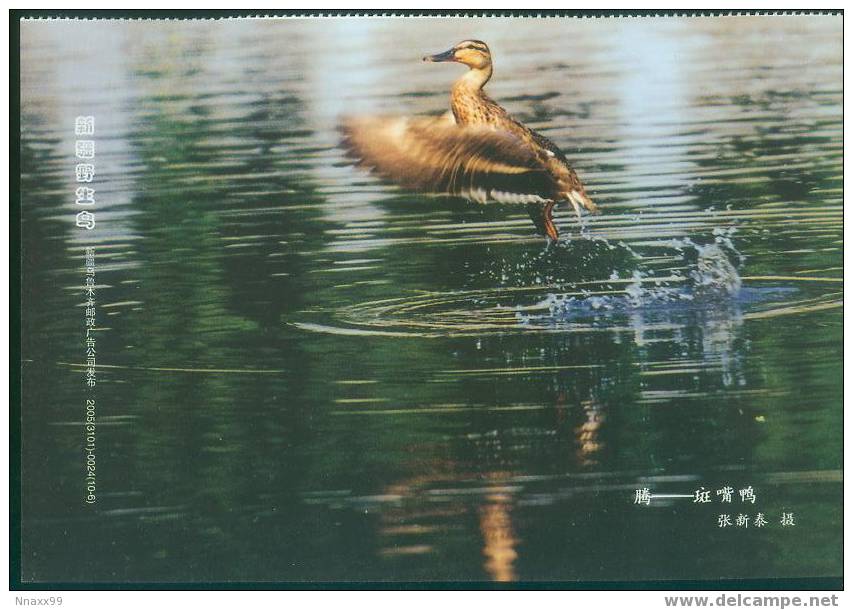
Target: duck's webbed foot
[[542, 217]]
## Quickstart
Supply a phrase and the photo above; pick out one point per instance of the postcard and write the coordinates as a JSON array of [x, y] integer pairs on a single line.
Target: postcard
[[430, 299]]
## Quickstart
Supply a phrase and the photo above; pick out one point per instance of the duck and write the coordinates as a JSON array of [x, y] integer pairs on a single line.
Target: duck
[[475, 150]]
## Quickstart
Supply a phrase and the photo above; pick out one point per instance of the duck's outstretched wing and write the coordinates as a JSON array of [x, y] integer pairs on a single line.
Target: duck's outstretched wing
[[436, 155]]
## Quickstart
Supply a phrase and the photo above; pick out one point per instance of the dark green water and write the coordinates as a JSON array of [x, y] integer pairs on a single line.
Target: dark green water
[[304, 374]]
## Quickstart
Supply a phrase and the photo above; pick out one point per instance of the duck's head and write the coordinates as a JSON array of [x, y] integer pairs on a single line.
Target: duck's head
[[473, 53]]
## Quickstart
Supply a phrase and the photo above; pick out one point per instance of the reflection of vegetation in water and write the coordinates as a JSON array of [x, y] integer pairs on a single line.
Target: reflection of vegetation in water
[[773, 155], [213, 306], [45, 252], [51, 328]]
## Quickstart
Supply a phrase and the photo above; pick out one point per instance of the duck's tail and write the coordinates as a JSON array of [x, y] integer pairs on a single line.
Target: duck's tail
[[579, 199]]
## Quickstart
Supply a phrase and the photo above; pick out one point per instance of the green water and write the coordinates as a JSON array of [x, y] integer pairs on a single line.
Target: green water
[[305, 374]]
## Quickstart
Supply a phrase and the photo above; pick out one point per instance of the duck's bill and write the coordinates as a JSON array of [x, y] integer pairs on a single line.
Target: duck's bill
[[446, 56]]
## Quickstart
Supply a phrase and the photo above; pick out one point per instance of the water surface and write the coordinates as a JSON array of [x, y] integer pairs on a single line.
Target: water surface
[[306, 374]]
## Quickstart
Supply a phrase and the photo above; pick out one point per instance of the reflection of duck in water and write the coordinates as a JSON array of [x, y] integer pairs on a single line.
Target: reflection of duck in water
[[411, 525], [477, 150]]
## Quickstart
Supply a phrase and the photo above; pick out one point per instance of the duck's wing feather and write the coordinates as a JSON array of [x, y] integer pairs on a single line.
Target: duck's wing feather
[[436, 155]]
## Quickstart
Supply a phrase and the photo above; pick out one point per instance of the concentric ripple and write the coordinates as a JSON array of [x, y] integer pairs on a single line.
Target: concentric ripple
[[705, 288], [596, 306]]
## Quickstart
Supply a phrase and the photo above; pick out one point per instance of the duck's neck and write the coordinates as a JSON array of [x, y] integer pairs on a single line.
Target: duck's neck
[[473, 80], [467, 98]]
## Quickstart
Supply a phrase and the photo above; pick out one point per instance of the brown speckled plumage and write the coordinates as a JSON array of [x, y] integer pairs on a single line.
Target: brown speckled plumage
[[478, 150], [471, 106]]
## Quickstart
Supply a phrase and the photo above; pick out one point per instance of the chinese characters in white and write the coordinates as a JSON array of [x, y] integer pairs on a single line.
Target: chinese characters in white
[[643, 496], [701, 496], [84, 196], [89, 293], [744, 521], [724, 495], [747, 494], [84, 173]]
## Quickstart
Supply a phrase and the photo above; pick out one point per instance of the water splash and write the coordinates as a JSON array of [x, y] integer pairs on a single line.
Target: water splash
[[714, 273], [569, 261], [705, 294], [711, 277]]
